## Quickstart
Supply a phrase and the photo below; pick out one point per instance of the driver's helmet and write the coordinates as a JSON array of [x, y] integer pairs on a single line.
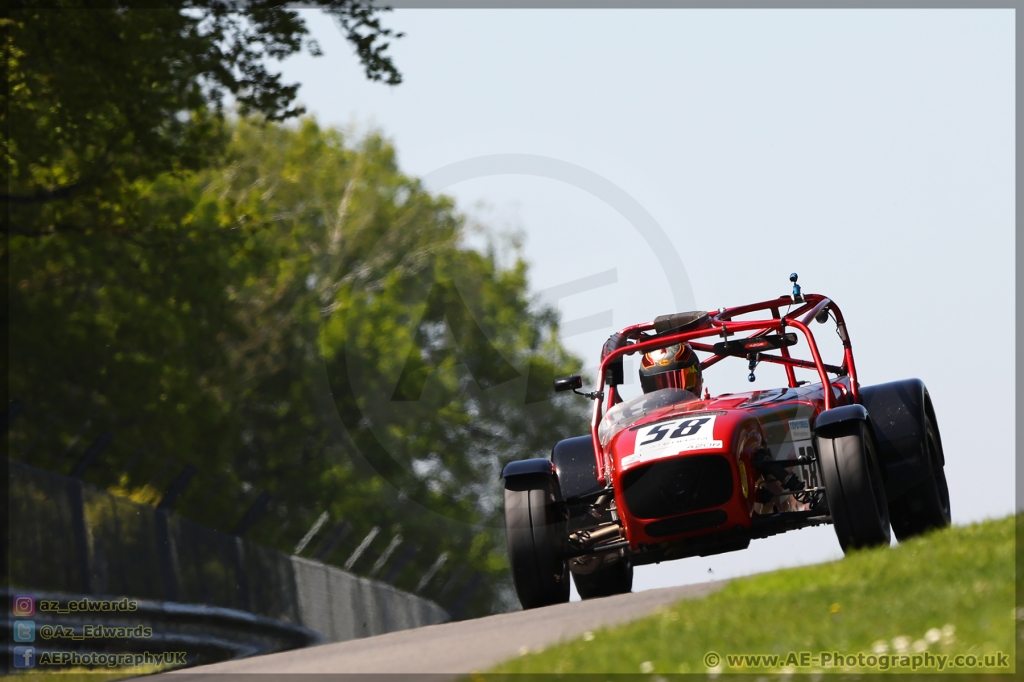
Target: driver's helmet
[[674, 367]]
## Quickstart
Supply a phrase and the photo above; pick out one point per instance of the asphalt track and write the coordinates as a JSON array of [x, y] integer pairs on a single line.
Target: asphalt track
[[462, 647]]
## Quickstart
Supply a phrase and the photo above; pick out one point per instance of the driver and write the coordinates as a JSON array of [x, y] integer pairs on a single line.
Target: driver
[[674, 367]]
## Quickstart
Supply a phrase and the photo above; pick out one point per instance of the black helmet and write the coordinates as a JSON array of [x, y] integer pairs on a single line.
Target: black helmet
[[674, 367]]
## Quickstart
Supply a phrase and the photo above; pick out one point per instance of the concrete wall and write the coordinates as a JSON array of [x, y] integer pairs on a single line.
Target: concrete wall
[[342, 606]]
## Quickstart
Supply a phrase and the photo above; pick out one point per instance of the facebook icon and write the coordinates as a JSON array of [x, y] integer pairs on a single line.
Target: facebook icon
[[24, 657]]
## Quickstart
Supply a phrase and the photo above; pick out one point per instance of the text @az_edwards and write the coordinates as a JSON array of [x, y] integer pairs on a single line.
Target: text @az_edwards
[[835, 659], [95, 631]]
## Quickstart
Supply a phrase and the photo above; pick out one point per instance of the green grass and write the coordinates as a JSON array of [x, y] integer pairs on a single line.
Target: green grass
[[944, 594]]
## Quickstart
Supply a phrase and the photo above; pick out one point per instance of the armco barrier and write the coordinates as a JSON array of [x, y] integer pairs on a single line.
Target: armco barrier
[[70, 538]]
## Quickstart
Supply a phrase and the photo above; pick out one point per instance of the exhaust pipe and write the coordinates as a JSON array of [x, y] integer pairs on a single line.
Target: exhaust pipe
[[592, 536]]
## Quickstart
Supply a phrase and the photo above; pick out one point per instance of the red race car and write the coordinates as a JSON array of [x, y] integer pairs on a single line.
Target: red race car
[[673, 474]]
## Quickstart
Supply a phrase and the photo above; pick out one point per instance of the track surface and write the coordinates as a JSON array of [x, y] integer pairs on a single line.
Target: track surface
[[462, 647]]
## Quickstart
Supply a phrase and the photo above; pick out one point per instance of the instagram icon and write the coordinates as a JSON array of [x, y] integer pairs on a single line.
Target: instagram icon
[[24, 605]]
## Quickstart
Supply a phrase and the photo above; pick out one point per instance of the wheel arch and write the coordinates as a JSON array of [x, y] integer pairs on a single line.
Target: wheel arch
[[572, 460], [520, 474]]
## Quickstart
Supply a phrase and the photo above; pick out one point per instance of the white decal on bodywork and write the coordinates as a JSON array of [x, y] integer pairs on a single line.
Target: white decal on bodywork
[[799, 429], [668, 438]]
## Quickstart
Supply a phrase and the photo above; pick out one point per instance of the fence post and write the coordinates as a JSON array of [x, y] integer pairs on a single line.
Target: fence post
[[337, 534], [165, 549], [317, 525], [80, 533], [361, 548], [453, 580], [177, 487], [431, 572], [241, 576], [253, 514], [383, 558], [401, 562], [91, 453]]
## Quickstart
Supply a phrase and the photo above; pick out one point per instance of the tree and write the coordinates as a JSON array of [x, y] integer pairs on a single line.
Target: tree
[[103, 95], [302, 320]]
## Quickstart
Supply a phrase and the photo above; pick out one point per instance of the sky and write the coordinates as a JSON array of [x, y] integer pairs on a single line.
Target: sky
[[692, 159]]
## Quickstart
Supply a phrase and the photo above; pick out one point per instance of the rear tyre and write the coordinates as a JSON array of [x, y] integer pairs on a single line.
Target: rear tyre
[[535, 530], [854, 487], [616, 578], [924, 507]]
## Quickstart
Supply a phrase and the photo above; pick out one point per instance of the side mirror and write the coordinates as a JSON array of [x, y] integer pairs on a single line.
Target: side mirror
[[570, 383]]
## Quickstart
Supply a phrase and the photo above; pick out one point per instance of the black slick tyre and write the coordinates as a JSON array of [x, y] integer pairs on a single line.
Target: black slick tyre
[[616, 578], [534, 530], [924, 507], [854, 487]]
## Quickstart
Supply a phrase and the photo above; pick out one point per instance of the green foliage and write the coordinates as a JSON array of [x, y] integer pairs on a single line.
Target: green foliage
[[303, 320], [102, 95], [950, 592]]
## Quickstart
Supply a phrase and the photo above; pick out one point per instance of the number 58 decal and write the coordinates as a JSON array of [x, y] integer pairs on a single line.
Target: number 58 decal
[[687, 427], [672, 437]]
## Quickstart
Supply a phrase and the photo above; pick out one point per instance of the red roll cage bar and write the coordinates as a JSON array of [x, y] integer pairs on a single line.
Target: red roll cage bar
[[722, 324]]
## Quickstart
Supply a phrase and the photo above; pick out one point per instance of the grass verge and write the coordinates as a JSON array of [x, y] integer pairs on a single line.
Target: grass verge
[[912, 608]]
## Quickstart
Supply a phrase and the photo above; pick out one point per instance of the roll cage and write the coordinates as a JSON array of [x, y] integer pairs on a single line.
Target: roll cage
[[636, 339]]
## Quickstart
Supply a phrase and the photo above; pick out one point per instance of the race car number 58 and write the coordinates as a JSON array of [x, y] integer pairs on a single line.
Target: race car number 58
[[672, 437]]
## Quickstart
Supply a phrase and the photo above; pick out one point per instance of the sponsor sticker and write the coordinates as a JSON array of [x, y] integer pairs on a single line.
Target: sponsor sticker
[[668, 438], [799, 429]]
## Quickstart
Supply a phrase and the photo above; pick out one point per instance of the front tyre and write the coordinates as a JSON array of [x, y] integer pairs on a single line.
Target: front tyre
[[854, 487], [926, 506], [534, 529], [615, 578]]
